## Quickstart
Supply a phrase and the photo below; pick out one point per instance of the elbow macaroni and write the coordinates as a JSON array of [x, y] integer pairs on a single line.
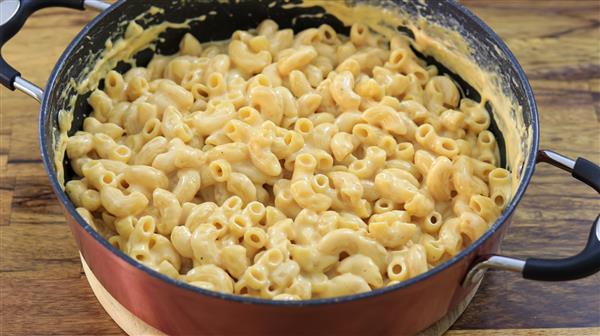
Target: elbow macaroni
[[287, 166]]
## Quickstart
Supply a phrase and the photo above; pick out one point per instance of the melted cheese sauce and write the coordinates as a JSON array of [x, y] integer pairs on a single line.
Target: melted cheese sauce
[[449, 48], [446, 45]]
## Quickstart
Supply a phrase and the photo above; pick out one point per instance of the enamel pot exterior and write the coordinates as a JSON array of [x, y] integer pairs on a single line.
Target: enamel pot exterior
[[180, 309]]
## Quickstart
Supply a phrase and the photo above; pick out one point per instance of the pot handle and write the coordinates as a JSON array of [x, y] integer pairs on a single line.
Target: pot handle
[[586, 263], [13, 14]]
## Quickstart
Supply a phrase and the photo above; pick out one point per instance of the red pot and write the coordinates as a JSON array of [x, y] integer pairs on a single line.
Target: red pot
[[178, 308]]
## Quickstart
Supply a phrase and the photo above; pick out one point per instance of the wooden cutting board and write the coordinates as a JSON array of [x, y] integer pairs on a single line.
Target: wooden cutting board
[[43, 289]]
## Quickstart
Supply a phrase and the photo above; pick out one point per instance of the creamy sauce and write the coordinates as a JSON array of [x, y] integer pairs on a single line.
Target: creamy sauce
[[445, 44], [449, 48], [121, 50], [124, 49]]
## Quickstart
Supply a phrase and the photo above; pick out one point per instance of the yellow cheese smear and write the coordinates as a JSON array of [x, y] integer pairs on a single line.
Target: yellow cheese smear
[[449, 48], [121, 50], [446, 45]]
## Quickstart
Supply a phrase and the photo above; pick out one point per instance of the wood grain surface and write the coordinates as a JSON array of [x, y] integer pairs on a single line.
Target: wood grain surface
[[43, 289]]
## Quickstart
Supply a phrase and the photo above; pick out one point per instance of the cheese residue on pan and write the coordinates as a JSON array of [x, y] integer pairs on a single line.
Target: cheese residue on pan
[[448, 47], [135, 39], [122, 49], [445, 44]]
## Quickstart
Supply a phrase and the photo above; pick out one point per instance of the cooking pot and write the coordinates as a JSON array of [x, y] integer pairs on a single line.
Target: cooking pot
[[175, 307]]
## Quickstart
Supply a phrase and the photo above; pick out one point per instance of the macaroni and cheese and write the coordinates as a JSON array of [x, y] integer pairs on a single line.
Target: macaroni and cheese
[[287, 166]]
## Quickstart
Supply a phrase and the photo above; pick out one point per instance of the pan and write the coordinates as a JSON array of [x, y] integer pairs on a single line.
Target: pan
[[178, 308]]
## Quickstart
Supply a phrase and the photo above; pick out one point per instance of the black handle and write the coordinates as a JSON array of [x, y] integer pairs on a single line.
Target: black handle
[[13, 24], [587, 262], [588, 173]]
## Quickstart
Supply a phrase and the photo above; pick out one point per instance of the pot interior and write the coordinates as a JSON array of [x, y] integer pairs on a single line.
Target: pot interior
[[225, 17]]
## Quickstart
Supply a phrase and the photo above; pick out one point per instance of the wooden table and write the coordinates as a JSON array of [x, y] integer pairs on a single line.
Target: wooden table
[[42, 287]]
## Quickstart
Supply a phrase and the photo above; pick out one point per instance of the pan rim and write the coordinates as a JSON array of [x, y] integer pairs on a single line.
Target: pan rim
[[528, 170]]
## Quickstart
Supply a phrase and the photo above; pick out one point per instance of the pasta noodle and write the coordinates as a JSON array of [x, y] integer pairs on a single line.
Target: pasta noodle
[[287, 166]]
